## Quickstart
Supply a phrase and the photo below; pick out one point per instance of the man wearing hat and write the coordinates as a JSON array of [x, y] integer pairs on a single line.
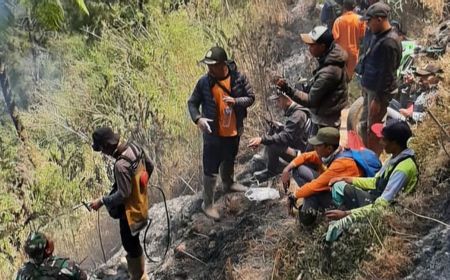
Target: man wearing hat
[[128, 201], [360, 196], [327, 94], [43, 265], [293, 134], [378, 71], [224, 94], [313, 171]]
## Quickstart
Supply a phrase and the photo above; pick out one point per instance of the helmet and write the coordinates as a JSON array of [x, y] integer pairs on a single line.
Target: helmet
[[35, 246]]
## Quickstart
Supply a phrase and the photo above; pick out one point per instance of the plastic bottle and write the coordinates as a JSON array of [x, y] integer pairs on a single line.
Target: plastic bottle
[[260, 194], [227, 116]]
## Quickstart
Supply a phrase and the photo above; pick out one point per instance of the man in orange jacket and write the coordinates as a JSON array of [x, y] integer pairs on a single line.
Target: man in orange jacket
[[313, 171], [348, 32]]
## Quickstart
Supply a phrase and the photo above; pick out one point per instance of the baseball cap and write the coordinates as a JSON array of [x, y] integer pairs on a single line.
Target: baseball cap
[[325, 135], [378, 9], [215, 55], [102, 136], [315, 34]]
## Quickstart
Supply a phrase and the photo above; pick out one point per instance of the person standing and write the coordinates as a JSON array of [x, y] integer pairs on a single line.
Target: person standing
[[224, 94], [348, 32], [128, 200], [378, 71]]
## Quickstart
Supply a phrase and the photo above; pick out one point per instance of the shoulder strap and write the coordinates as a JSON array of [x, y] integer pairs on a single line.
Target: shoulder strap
[[214, 81], [138, 153]]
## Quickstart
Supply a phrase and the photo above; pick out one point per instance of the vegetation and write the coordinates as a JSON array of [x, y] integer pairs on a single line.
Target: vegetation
[[77, 65]]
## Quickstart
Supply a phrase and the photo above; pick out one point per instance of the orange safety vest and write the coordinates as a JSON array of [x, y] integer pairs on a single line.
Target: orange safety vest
[[136, 205]]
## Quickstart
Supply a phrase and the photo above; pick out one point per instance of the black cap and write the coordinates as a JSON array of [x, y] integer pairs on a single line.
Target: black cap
[[397, 131], [215, 55], [102, 136], [378, 9]]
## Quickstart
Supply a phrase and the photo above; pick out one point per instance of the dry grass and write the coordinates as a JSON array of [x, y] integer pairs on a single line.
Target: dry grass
[[437, 6]]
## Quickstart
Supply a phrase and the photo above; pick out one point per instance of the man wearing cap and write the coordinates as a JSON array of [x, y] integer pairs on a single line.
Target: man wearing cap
[[128, 200], [348, 32], [313, 171], [327, 94], [378, 71], [43, 265], [360, 196], [293, 135], [224, 94]]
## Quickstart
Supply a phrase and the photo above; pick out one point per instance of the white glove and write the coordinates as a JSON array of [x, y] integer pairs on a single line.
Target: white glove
[[202, 123]]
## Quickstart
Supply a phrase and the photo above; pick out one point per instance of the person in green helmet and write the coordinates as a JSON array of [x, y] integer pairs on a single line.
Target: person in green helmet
[[42, 265]]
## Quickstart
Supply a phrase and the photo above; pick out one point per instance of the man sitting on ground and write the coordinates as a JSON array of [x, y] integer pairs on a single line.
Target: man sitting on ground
[[313, 171], [293, 134], [400, 172]]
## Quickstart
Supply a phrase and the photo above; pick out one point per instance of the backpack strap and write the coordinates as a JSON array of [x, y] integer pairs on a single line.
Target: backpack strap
[[138, 153]]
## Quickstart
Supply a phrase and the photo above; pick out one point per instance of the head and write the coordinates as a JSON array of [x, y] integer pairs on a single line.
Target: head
[[377, 17], [348, 5], [326, 142], [105, 140], [394, 136], [319, 40], [38, 247], [282, 100], [216, 59]]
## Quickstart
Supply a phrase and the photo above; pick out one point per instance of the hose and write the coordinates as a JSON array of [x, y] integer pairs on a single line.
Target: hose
[[168, 229]]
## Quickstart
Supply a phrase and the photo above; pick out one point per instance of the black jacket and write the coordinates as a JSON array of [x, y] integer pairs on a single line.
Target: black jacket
[[381, 61], [202, 96], [295, 131], [328, 92]]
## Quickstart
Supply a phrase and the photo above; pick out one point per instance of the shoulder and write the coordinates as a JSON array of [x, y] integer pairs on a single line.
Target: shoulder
[[343, 162], [408, 166]]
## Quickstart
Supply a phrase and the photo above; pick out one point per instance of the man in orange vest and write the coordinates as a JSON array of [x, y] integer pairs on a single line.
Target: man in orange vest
[[128, 201], [223, 95], [348, 32]]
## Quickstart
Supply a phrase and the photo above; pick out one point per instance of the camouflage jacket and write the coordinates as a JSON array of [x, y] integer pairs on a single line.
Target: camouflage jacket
[[53, 268]]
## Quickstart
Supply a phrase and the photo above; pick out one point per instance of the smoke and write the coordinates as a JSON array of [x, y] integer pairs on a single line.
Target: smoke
[[6, 15]]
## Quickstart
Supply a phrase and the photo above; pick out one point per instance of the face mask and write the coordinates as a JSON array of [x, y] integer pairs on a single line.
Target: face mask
[[327, 160]]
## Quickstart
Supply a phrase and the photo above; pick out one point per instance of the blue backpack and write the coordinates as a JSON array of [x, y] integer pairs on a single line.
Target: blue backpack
[[366, 159]]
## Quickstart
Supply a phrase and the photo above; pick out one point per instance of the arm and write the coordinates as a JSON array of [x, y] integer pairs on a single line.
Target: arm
[[321, 183], [322, 86], [390, 57], [194, 103], [365, 183], [335, 30], [294, 125], [249, 97], [123, 181]]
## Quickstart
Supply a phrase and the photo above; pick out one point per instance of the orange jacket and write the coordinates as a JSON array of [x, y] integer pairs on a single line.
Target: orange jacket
[[348, 32], [341, 167]]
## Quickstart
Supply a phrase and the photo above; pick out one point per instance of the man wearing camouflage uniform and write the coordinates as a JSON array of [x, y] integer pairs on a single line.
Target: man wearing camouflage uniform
[[43, 266]]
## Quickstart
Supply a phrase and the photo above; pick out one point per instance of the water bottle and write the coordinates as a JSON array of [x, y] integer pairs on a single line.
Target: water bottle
[[227, 116]]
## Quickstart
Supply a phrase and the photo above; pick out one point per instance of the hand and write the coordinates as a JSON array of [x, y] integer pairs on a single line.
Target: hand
[[336, 179], [336, 214], [254, 142], [96, 204], [286, 179], [203, 125], [283, 86], [229, 100]]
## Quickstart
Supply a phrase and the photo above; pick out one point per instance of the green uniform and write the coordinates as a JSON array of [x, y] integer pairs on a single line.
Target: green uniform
[[52, 268]]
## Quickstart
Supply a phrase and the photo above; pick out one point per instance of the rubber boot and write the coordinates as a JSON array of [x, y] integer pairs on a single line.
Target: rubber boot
[[209, 185], [136, 268], [227, 176]]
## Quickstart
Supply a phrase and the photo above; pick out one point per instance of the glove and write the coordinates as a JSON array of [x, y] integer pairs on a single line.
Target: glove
[[336, 228], [283, 86], [203, 124]]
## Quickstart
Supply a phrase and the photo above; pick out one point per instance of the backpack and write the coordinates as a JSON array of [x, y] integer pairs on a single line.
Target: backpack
[[366, 159], [330, 12]]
